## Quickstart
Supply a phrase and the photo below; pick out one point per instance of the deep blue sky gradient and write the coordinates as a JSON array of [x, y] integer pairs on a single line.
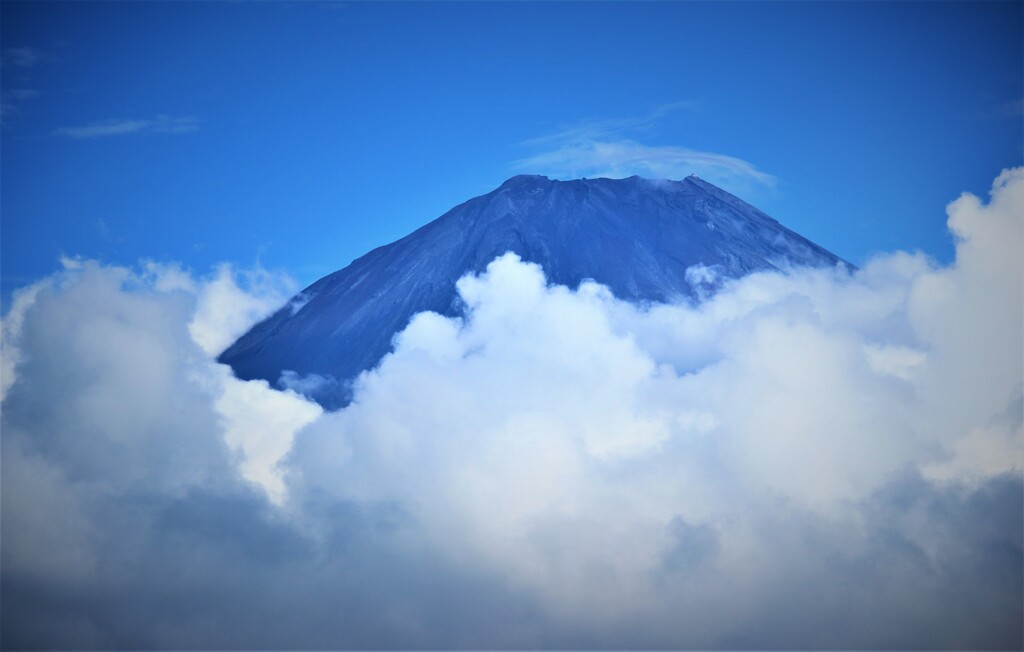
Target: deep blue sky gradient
[[315, 132]]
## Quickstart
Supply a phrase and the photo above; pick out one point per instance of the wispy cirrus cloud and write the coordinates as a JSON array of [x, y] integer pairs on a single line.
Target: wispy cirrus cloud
[[21, 57], [161, 124], [16, 65], [10, 100], [609, 148], [610, 128]]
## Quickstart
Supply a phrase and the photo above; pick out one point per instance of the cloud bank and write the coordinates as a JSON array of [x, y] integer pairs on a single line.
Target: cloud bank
[[812, 460]]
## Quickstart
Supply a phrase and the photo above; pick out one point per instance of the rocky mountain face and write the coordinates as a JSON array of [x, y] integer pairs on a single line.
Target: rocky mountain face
[[636, 236]]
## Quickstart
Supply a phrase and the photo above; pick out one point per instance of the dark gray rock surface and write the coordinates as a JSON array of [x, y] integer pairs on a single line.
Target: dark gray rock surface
[[636, 236]]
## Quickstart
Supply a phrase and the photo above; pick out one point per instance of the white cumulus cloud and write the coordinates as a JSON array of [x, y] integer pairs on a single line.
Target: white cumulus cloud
[[553, 434]]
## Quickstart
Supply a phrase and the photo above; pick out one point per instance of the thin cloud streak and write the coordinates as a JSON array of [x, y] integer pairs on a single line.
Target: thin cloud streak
[[161, 124], [611, 128]]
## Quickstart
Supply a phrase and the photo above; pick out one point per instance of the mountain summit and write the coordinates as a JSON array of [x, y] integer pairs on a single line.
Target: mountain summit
[[636, 236]]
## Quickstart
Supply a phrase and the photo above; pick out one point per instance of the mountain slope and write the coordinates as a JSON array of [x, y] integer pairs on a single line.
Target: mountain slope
[[637, 236]]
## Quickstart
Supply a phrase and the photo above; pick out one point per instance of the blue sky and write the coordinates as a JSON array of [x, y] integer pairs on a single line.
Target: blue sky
[[303, 135], [810, 460]]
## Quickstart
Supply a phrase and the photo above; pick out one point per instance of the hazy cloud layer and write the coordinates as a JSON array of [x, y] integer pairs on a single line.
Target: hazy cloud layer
[[817, 460], [609, 148], [617, 159]]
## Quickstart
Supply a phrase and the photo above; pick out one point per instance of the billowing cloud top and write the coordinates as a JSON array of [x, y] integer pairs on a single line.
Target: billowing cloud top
[[815, 459]]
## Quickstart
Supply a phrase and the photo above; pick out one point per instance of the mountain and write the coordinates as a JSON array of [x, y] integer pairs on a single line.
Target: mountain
[[636, 236]]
